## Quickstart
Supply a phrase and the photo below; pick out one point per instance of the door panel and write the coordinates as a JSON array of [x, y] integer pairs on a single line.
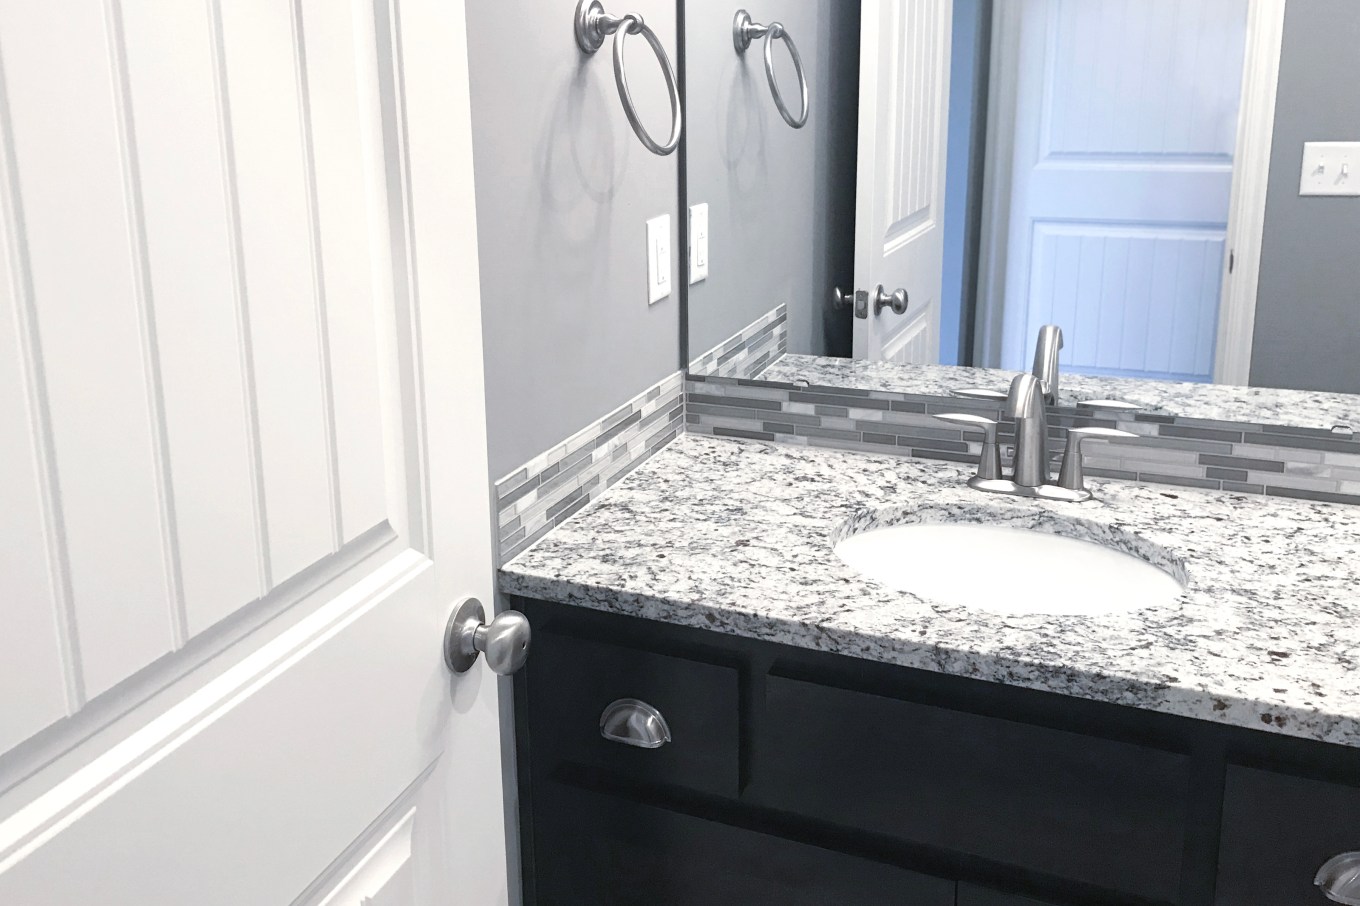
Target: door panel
[[899, 239], [248, 458], [237, 794]]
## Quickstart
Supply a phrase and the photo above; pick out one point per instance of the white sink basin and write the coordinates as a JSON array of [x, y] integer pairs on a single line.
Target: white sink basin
[[1007, 570]]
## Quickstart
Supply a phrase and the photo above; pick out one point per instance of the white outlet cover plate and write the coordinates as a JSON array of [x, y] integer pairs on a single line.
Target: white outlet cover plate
[[1330, 168], [698, 243], [658, 258]]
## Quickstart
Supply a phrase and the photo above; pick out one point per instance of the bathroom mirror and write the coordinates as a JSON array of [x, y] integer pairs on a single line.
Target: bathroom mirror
[[966, 172]]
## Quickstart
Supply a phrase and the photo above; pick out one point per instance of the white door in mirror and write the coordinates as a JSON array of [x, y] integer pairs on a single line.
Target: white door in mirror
[[1330, 168], [1000, 569], [658, 258]]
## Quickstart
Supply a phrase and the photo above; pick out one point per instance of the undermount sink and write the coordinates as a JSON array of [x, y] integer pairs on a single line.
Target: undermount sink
[[1007, 569]]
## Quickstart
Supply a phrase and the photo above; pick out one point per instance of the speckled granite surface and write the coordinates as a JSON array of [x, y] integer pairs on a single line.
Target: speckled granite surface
[[737, 537], [1217, 402]]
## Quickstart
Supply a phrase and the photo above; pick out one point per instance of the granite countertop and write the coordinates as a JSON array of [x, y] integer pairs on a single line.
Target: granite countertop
[[738, 537], [1216, 402]]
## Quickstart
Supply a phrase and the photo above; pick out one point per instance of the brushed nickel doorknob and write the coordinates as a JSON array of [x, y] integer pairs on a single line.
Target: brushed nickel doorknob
[[504, 641], [897, 301]]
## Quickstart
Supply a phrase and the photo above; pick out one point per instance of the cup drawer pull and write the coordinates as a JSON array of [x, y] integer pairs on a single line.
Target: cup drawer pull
[[634, 723]]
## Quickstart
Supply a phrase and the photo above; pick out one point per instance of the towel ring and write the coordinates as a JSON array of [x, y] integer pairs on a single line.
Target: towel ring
[[593, 25], [744, 31]]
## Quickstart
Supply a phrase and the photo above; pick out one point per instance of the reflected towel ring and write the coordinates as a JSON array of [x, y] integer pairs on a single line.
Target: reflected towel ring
[[744, 31], [593, 25]]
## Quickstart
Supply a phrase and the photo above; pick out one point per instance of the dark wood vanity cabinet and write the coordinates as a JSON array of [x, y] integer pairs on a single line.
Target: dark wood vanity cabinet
[[797, 777]]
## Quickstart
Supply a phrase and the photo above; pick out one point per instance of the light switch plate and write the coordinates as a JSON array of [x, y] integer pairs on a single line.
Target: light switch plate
[[1330, 168], [698, 243], [658, 258]]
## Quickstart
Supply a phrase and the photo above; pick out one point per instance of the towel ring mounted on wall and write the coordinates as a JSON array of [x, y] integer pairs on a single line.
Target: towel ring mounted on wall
[[744, 31], [593, 25]]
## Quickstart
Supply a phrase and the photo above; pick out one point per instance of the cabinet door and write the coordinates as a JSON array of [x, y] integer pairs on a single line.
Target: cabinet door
[[1277, 831], [592, 848], [1101, 812]]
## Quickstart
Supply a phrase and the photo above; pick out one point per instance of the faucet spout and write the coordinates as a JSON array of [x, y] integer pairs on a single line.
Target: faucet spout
[[1025, 404], [1046, 360]]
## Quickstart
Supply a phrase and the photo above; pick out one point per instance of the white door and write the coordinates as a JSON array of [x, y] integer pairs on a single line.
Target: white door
[[899, 195], [243, 447], [1116, 171]]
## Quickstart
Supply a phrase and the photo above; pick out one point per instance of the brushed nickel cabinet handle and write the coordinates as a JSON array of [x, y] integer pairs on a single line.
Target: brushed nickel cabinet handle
[[634, 723]]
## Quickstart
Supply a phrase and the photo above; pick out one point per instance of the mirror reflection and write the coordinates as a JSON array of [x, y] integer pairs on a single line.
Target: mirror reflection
[[1129, 198]]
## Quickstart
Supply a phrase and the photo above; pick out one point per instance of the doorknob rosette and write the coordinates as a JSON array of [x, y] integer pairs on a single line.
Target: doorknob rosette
[[504, 641]]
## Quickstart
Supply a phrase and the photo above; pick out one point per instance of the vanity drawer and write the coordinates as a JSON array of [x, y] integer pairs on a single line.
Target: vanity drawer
[[570, 682], [1093, 810], [593, 849], [1277, 832]]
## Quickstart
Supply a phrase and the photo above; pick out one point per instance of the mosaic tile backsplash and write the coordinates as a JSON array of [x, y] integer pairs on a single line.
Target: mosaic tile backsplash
[[1308, 463], [547, 490], [750, 351]]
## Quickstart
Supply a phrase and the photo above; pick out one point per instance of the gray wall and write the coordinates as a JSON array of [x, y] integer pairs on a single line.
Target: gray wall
[[781, 201], [1308, 305], [564, 190]]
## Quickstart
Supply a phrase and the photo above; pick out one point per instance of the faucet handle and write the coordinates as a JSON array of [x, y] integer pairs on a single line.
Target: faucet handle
[[1073, 476], [989, 463], [980, 393]]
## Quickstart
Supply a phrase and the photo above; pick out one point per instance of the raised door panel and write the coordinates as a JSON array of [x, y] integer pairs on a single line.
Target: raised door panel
[[1131, 299], [1143, 79], [237, 794], [914, 95], [198, 329]]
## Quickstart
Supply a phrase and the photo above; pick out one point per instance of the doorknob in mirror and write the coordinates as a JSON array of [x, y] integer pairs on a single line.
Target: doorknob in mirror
[[897, 301], [504, 641], [858, 299]]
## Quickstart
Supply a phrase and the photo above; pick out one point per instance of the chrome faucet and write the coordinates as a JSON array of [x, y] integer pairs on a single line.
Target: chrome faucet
[[1046, 361], [1031, 474], [1025, 404]]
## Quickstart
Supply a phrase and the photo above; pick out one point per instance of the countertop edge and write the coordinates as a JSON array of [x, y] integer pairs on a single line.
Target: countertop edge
[[1132, 692]]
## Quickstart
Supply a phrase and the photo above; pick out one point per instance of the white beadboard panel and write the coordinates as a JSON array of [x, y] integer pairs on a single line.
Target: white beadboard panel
[[30, 649], [916, 109], [334, 74], [1144, 78], [171, 77], [914, 344], [70, 158], [1134, 299], [276, 237]]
